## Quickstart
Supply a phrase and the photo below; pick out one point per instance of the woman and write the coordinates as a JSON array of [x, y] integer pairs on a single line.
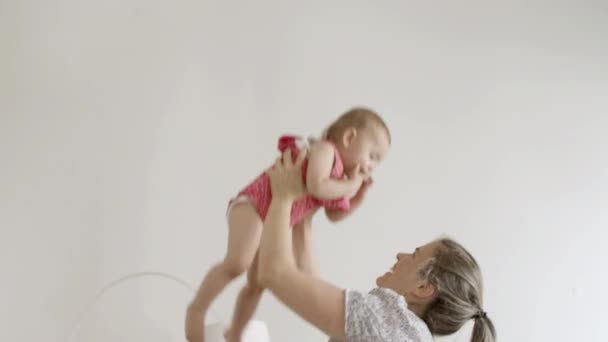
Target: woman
[[434, 290]]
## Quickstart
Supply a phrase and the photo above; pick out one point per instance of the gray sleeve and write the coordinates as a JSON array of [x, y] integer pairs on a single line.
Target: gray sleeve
[[381, 315], [365, 316]]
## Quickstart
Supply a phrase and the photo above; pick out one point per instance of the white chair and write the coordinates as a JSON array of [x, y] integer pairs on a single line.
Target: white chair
[[256, 331]]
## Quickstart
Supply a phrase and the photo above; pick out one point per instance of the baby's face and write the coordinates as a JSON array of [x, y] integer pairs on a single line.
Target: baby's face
[[367, 148]]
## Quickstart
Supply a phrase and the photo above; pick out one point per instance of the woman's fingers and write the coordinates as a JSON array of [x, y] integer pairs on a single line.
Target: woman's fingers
[[287, 158], [288, 161], [301, 157]]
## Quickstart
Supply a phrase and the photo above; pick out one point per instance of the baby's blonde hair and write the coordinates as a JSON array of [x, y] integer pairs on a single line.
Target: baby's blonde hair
[[357, 117]]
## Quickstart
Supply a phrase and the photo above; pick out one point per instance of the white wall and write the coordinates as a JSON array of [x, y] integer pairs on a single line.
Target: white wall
[[126, 125]]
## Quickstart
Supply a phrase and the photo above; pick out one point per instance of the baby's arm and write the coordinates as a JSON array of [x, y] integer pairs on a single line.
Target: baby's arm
[[318, 182]]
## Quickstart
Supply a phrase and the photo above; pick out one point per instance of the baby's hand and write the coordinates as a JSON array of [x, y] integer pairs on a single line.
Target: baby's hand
[[356, 179], [358, 198]]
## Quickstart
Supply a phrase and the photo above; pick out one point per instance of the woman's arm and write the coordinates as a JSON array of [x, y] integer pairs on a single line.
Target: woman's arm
[[316, 301], [302, 247]]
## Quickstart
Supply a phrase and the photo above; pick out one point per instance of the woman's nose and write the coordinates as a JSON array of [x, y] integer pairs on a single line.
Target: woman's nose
[[399, 256]]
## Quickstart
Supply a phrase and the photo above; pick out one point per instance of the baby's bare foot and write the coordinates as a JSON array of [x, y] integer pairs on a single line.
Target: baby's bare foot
[[230, 336]]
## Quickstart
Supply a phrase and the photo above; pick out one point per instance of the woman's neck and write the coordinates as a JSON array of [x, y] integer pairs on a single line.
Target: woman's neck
[[416, 307], [419, 310]]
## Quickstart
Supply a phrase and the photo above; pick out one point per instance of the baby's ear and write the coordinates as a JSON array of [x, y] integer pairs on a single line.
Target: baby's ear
[[349, 136]]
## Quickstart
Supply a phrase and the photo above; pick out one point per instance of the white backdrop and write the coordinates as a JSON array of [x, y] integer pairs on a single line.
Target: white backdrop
[[125, 126]]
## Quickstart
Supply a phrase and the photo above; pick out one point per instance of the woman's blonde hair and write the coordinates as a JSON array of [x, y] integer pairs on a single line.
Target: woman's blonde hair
[[357, 117], [457, 279]]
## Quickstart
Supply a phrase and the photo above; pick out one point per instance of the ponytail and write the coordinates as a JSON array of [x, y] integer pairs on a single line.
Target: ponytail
[[483, 329], [457, 279]]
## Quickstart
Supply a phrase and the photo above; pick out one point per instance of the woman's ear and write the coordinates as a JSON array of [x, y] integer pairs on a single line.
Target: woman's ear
[[349, 136], [425, 290]]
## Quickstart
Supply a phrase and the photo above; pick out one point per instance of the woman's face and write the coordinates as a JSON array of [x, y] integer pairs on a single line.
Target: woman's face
[[403, 276]]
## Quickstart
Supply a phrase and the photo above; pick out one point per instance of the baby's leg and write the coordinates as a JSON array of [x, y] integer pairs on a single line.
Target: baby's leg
[[245, 231], [246, 304]]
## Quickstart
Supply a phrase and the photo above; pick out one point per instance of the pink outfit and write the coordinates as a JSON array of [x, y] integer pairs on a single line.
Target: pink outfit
[[259, 194]]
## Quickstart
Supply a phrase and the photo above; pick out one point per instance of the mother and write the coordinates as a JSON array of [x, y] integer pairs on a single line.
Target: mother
[[434, 290]]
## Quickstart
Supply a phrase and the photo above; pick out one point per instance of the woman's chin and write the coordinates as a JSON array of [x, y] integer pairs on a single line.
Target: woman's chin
[[381, 280]]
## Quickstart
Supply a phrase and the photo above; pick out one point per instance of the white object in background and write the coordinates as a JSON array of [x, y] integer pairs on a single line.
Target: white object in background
[[256, 331], [216, 332]]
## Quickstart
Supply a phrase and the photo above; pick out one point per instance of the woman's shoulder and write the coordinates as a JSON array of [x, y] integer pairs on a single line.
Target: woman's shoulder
[[383, 311], [380, 299]]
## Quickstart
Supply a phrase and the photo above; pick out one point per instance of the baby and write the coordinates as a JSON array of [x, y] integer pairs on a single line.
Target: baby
[[337, 170]]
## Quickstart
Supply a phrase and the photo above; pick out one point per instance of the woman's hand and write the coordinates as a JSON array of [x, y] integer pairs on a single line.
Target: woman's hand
[[286, 177]]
